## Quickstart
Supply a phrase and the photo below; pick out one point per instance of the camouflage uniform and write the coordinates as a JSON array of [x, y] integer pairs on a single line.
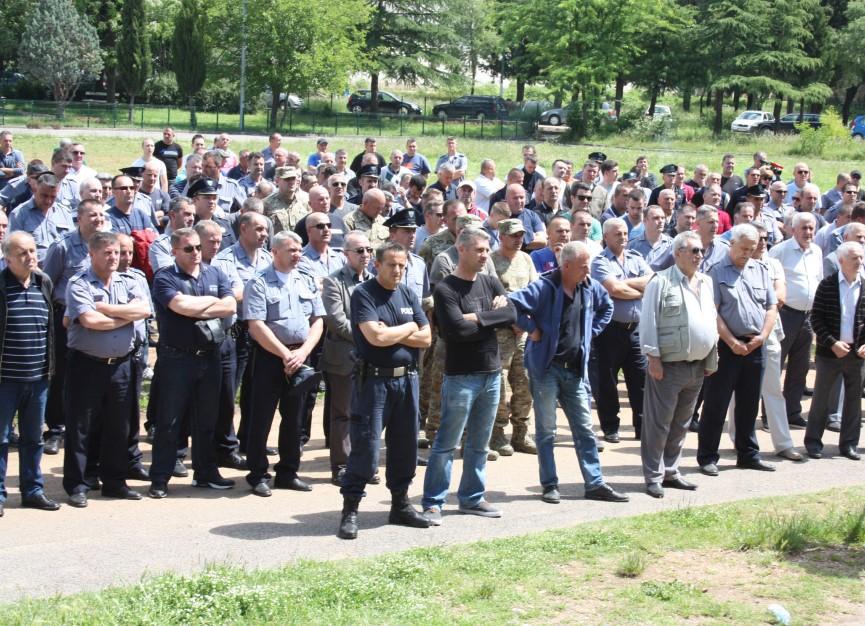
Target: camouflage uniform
[[375, 230], [284, 214], [514, 275], [435, 244]]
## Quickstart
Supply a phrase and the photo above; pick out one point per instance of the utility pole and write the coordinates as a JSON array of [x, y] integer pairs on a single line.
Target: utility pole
[[243, 67]]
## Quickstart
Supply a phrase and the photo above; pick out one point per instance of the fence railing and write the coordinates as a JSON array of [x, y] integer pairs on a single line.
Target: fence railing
[[46, 114]]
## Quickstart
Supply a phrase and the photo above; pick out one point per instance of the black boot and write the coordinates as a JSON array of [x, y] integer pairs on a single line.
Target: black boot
[[403, 513], [348, 523]]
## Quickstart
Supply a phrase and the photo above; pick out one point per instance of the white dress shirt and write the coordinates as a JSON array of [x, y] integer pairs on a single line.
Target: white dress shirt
[[803, 270], [849, 298]]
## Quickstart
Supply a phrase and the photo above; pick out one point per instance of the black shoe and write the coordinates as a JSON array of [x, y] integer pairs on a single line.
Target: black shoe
[[422, 462], [709, 469], [834, 427], [678, 483], [214, 482], [158, 491], [151, 433], [121, 494], [179, 470], [52, 445], [1, 509], [655, 490], [551, 495], [93, 483], [797, 423], [694, 426], [402, 513], [756, 464], [375, 480], [295, 484], [13, 441], [336, 476], [348, 521], [233, 461], [138, 473], [851, 454], [39, 501], [422, 442], [605, 493], [271, 451], [612, 438], [808, 392], [78, 500], [813, 454], [262, 489]]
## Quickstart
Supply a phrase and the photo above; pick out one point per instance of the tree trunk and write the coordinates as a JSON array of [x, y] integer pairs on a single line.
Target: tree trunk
[[620, 94], [110, 84], [557, 99], [749, 101], [849, 96], [686, 98], [801, 107], [719, 109], [373, 92], [131, 107], [521, 89], [652, 102], [737, 94], [274, 106], [701, 103], [777, 111], [790, 105], [193, 118], [473, 66]]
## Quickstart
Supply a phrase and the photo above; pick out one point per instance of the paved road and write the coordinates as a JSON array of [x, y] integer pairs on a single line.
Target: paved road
[[113, 543]]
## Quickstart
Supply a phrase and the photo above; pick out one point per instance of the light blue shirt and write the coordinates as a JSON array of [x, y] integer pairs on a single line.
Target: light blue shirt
[[606, 265], [65, 257], [321, 265], [286, 308], [660, 256], [45, 228], [742, 296]]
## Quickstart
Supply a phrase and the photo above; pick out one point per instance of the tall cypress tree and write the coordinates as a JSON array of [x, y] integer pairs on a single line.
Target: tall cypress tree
[[188, 53], [133, 51]]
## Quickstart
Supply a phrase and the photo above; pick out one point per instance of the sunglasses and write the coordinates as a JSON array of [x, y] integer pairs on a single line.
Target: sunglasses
[[437, 214], [764, 238], [802, 172], [850, 191], [81, 152], [323, 225], [584, 197], [362, 250], [339, 185], [696, 250], [191, 249]]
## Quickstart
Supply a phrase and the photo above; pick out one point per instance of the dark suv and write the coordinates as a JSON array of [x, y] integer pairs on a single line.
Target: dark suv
[[787, 123], [359, 102], [480, 107]]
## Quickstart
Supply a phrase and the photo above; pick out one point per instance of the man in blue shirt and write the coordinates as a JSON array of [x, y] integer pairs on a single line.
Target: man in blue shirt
[[535, 236], [11, 160], [42, 216]]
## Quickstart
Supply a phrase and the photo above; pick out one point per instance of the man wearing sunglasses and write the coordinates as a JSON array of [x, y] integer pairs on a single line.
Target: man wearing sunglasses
[[679, 336]]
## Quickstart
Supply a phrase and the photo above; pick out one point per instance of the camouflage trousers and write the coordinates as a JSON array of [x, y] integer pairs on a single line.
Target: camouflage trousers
[[431, 387], [514, 407]]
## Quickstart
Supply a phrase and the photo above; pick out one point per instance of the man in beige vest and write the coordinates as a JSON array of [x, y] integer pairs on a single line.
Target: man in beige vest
[[679, 335]]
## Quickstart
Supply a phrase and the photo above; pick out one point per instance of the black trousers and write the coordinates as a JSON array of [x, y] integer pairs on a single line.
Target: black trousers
[[243, 350], [830, 370], [55, 408], [742, 375], [795, 357], [270, 390], [225, 437], [618, 348], [99, 398]]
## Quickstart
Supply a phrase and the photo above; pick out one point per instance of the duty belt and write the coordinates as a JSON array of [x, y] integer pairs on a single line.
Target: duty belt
[[107, 361], [388, 372]]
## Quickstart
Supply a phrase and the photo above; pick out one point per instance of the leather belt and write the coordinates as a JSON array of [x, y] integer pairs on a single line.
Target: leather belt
[[626, 325], [568, 365], [106, 361], [387, 372], [789, 308], [192, 351]]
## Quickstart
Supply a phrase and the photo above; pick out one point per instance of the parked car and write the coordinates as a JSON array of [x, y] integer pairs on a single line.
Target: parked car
[[748, 121], [359, 102], [787, 123], [555, 117], [662, 111], [857, 128], [480, 107]]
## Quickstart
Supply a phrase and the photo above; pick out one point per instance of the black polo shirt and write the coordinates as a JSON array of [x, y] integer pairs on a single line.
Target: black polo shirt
[[370, 302]]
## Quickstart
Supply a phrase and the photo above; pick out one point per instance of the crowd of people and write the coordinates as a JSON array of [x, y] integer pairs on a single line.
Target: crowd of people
[[437, 309]]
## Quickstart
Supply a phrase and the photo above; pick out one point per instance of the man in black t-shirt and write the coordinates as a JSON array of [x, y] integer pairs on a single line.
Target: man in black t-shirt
[[170, 153], [469, 306], [388, 327]]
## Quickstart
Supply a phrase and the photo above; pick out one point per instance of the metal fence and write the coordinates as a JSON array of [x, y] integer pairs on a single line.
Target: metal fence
[[45, 114]]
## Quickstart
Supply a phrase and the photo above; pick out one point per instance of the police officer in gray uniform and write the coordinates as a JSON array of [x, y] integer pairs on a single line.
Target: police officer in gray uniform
[[747, 308], [284, 311], [102, 307]]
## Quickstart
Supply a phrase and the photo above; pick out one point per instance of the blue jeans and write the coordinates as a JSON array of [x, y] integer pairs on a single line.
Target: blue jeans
[[28, 400], [469, 402], [564, 385]]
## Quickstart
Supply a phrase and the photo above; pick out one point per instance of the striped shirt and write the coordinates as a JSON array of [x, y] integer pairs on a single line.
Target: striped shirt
[[25, 352]]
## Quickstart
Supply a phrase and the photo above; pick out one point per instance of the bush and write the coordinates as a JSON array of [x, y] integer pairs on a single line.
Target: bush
[[162, 89], [814, 141]]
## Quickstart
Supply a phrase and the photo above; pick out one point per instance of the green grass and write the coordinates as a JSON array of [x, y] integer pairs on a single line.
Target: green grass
[[692, 570]]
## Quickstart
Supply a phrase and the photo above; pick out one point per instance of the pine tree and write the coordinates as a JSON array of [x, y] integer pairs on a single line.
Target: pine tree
[[189, 58], [133, 51]]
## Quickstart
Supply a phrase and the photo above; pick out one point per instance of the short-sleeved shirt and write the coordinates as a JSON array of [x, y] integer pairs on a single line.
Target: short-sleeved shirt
[[14, 160], [742, 296], [320, 265], [606, 265], [660, 256], [532, 223], [418, 163], [717, 251], [65, 257], [125, 223], [458, 160], [371, 302], [84, 292], [239, 268], [160, 252], [140, 279], [516, 273], [178, 330], [285, 307], [171, 155], [46, 228]]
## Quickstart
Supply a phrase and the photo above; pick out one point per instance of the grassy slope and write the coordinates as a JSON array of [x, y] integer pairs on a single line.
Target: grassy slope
[[718, 565]]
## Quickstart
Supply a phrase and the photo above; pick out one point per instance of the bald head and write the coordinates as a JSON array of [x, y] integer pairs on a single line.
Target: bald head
[[319, 199], [373, 202]]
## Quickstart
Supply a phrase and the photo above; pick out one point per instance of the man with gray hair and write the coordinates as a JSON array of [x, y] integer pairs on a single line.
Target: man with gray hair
[[838, 317], [747, 309], [42, 216], [802, 261], [469, 306], [679, 336]]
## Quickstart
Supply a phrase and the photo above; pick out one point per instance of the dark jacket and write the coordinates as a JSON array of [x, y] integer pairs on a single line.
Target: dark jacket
[[45, 286], [826, 316]]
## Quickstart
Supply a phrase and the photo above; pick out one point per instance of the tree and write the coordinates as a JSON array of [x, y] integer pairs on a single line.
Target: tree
[[59, 47], [476, 34], [850, 67], [411, 40], [105, 16], [133, 51], [315, 47], [13, 16], [188, 53]]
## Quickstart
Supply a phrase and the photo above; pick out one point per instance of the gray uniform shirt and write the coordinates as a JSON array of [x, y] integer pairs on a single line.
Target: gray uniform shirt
[[606, 265], [240, 269], [660, 256], [65, 257], [743, 296], [286, 307], [46, 229]]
